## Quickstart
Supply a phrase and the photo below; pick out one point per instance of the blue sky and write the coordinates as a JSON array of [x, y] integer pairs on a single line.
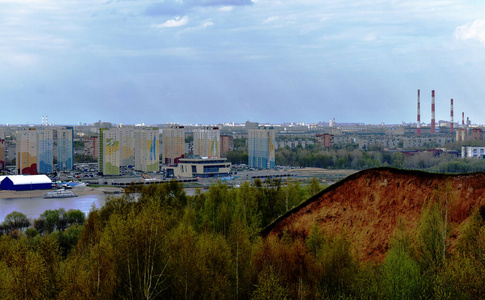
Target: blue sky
[[214, 61]]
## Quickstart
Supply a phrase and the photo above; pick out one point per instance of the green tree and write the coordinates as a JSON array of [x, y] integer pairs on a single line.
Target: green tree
[[313, 187], [16, 220]]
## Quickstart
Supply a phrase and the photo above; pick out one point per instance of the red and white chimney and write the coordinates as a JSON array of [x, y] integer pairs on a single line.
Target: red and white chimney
[[463, 119], [451, 115], [418, 131], [433, 120]]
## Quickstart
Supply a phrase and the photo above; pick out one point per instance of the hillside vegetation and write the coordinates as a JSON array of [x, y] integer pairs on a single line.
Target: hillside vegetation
[[378, 234]]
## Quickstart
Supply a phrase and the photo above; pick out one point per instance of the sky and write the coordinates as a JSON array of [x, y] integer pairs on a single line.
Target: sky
[[215, 61]]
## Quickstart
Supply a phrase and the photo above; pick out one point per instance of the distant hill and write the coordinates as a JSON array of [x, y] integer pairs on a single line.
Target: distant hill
[[367, 206]]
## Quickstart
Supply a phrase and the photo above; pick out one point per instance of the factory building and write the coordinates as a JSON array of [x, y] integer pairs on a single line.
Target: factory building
[[261, 147]]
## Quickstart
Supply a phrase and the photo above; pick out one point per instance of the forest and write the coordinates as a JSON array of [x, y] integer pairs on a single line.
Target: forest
[[156, 242]]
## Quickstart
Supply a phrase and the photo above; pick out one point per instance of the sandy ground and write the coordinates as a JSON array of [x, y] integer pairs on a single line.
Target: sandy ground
[[40, 193]]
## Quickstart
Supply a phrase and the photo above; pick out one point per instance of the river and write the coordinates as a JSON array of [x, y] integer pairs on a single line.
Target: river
[[33, 207]]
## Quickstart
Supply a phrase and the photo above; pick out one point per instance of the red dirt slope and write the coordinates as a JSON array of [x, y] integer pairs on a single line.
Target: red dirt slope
[[368, 204]]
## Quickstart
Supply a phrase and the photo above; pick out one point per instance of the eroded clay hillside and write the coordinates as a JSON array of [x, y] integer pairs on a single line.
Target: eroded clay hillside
[[368, 205]]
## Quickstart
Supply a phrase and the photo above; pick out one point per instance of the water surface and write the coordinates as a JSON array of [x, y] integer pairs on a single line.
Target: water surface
[[33, 207]]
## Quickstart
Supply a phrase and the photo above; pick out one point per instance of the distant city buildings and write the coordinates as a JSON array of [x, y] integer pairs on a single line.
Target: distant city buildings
[[261, 147], [473, 152], [477, 134], [173, 139], [207, 142]]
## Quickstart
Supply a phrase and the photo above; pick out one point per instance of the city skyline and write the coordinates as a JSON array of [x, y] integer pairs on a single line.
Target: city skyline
[[216, 61]]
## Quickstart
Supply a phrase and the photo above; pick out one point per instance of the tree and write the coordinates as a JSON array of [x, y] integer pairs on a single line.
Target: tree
[[313, 187], [16, 220], [400, 271], [75, 216]]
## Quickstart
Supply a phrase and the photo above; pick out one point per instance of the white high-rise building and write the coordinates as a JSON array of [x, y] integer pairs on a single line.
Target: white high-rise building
[[207, 142], [261, 148], [147, 150]]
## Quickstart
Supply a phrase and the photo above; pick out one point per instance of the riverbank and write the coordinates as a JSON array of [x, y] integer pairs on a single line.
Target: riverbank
[[40, 193]]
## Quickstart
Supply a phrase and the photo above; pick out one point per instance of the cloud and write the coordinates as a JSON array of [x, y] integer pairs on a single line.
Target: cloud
[[226, 8], [177, 22], [271, 19], [177, 7], [472, 31], [207, 24]]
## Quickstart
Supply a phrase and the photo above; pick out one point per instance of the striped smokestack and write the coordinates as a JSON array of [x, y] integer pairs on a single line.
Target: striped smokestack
[[433, 129], [463, 119], [467, 121], [451, 115], [419, 118]]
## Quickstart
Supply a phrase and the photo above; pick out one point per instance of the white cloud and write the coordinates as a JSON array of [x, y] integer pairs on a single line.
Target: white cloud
[[472, 31], [270, 19], [177, 22], [207, 24], [226, 8]]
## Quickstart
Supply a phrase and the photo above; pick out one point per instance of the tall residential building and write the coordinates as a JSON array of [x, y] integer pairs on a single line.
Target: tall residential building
[[324, 140], [26, 152], [477, 134], [91, 147], [227, 143], [207, 142], [261, 150], [147, 150], [45, 151], [461, 134], [127, 146], [173, 138], [109, 160], [65, 148]]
